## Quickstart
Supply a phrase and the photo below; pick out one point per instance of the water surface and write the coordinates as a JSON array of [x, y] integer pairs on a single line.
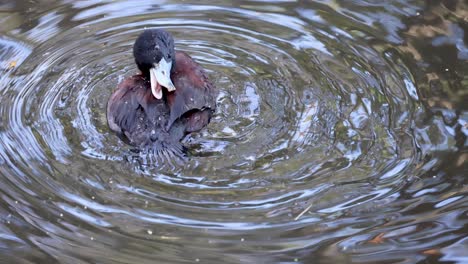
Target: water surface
[[340, 135]]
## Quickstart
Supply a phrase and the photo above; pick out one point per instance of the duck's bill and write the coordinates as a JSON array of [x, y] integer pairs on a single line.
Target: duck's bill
[[160, 75]]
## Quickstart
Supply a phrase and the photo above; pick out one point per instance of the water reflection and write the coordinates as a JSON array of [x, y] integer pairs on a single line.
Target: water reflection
[[341, 134]]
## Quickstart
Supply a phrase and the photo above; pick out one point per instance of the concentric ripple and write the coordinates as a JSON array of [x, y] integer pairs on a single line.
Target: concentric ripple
[[319, 135]]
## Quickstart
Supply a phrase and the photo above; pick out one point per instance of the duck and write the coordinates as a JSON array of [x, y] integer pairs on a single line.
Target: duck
[[168, 99]]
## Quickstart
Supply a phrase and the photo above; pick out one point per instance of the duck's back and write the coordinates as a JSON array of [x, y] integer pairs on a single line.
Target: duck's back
[[135, 115], [195, 95]]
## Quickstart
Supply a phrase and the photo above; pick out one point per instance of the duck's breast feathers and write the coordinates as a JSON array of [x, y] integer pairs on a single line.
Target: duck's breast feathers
[[122, 107], [193, 88]]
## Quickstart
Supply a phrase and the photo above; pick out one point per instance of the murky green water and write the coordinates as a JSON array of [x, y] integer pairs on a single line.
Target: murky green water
[[340, 136]]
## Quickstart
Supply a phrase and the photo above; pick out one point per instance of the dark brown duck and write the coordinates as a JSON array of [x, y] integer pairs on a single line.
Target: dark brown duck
[[170, 98]]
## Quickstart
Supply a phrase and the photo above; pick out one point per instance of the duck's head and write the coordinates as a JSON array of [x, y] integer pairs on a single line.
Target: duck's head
[[155, 56]]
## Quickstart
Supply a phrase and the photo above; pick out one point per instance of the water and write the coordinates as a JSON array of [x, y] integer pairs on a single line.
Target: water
[[340, 136]]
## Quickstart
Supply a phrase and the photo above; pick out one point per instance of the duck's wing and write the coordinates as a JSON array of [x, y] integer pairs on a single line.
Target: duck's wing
[[194, 91], [125, 105]]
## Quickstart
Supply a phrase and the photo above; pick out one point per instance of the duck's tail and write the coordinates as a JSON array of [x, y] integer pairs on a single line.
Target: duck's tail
[[161, 155], [169, 152]]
